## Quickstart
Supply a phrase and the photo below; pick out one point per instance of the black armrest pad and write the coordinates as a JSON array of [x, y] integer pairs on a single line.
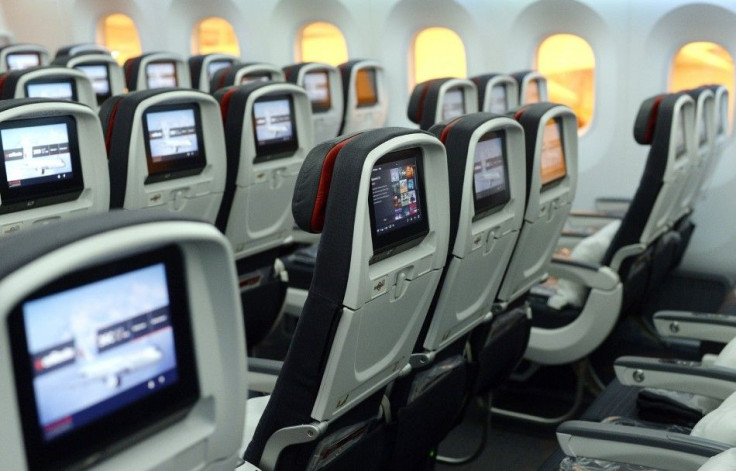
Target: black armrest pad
[[576, 263], [264, 366]]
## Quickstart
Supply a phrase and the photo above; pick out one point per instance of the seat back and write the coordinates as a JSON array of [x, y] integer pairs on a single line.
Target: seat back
[[365, 95], [722, 133], [269, 132], [441, 99], [48, 82], [203, 67], [166, 151], [324, 89], [486, 170], [101, 69], [54, 166], [22, 56], [122, 346], [551, 177], [377, 269], [244, 73], [156, 70], [532, 87], [74, 50], [497, 93]]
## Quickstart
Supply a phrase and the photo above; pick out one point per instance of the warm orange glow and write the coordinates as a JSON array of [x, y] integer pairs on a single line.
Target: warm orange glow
[[215, 35], [438, 52], [702, 63], [118, 33], [321, 42], [568, 63]]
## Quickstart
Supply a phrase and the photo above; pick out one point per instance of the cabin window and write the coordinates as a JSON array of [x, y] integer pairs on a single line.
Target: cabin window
[[568, 63], [436, 53], [118, 33], [321, 42], [215, 35], [703, 63]]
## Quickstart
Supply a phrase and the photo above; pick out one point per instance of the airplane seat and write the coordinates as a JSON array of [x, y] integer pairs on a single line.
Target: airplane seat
[[365, 96], [101, 69], [48, 82], [438, 100], [636, 259], [122, 346], [166, 152], [376, 273], [497, 93], [22, 56], [74, 50], [204, 66], [324, 88], [244, 73], [487, 181], [269, 133], [156, 70], [532, 87], [54, 166], [723, 134]]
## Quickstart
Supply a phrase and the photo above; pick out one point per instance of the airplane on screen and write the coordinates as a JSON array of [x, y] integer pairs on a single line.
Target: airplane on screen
[[112, 370]]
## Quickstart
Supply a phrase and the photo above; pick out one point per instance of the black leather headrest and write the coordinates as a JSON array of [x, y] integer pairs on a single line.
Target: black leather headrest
[[416, 102], [480, 82], [423, 103], [646, 120], [291, 72]]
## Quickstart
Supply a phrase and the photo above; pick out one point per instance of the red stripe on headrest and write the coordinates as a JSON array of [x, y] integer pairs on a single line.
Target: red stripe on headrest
[[443, 134], [3, 77], [110, 125], [221, 83], [128, 69], [651, 124], [225, 103], [323, 191], [422, 96]]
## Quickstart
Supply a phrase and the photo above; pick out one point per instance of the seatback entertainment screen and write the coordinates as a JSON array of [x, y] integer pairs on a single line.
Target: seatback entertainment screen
[[251, 78], [216, 65], [173, 139], [41, 162], [274, 127], [160, 74], [397, 203], [317, 85], [99, 75], [102, 354], [531, 93], [64, 89], [22, 60], [553, 167], [490, 176], [365, 87], [499, 101], [453, 103]]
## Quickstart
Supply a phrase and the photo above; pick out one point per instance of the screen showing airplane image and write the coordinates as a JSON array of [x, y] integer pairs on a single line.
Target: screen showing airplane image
[[214, 66], [489, 173], [453, 103], [161, 74], [553, 155], [97, 347], [273, 121], [62, 90], [317, 85], [23, 60], [172, 135], [36, 154], [97, 74]]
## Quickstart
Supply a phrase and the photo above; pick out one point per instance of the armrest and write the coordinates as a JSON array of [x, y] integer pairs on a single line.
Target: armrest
[[685, 376], [592, 275], [612, 204], [595, 219], [262, 374], [705, 326], [659, 449]]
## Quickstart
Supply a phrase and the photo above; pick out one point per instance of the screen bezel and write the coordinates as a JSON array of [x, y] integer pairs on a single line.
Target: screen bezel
[[130, 423], [42, 194], [22, 53], [100, 97], [493, 202], [178, 168], [390, 243], [557, 180], [51, 80], [373, 74], [157, 62], [277, 150], [323, 105]]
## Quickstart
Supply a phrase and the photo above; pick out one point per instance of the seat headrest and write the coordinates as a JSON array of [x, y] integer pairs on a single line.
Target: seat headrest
[[416, 101], [646, 120], [313, 184], [424, 101], [291, 72]]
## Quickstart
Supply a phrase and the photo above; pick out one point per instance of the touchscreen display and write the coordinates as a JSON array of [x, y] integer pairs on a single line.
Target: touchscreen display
[[498, 99], [58, 89], [490, 177], [274, 127], [453, 104], [317, 85], [531, 93], [36, 154], [173, 141], [216, 65], [161, 74], [365, 87], [98, 74], [553, 154], [23, 60]]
